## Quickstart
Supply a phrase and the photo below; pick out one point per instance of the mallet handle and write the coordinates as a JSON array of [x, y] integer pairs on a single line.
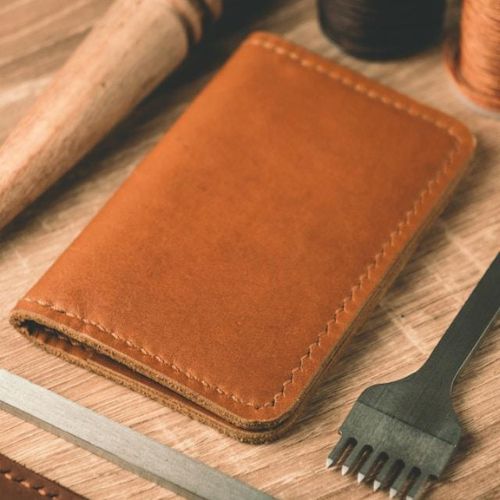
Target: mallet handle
[[130, 50]]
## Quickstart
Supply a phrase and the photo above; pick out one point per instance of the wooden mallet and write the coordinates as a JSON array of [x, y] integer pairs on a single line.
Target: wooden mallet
[[130, 50]]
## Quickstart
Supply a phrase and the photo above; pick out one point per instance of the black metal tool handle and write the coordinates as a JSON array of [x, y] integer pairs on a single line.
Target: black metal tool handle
[[466, 330]]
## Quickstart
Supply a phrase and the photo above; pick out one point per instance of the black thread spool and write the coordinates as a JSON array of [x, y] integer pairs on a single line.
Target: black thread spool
[[382, 29]]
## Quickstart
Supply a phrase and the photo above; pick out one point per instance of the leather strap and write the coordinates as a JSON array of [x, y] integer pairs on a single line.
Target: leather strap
[[20, 483]]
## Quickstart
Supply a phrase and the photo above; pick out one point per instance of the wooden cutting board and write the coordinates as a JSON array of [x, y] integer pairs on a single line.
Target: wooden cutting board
[[36, 36]]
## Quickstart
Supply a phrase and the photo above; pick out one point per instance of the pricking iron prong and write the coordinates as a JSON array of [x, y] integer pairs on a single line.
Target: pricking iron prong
[[367, 466], [383, 476], [337, 452], [417, 488], [398, 483], [353, 459]]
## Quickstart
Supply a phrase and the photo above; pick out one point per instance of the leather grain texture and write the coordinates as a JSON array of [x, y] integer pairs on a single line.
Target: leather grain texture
[[227, 272], [20, 483]]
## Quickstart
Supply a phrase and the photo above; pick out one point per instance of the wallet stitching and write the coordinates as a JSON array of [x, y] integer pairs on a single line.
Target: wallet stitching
[[364, 277], [7, 474], [130, 344]]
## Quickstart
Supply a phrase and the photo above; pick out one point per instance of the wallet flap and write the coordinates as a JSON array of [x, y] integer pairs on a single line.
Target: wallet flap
[[238, 257]]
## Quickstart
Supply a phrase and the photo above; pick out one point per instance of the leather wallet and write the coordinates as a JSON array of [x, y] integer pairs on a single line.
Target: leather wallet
[[227, 272], [20, 483]]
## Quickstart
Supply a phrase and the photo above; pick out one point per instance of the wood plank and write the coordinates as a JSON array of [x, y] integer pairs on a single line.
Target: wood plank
[[396, 339]]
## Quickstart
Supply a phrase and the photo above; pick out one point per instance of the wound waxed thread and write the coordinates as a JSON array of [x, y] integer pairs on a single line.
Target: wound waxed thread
[[382, 29], [475, 62]]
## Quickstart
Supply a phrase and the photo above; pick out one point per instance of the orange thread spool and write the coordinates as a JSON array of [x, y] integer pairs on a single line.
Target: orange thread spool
[[475, 63]]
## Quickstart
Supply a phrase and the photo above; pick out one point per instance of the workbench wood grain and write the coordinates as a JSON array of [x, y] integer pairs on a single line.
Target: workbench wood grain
[[36, 36]]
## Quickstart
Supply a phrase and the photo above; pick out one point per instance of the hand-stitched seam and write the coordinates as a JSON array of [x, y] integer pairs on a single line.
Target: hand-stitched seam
[[135, 346], [364, 277], [7, 474], [348, 82]]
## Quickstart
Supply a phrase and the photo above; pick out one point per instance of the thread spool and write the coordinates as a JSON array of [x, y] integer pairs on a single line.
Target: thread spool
[[475, 61], [382, 29]]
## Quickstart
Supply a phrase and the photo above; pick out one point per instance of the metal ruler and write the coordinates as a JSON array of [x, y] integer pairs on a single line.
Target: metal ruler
[[119, 444]]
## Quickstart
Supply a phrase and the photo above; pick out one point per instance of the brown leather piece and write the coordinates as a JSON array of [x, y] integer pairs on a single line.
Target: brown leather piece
[[20, 483], [229, 269]]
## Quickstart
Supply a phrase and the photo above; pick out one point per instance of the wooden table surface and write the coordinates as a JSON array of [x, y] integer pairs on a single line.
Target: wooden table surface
[[36, 36]]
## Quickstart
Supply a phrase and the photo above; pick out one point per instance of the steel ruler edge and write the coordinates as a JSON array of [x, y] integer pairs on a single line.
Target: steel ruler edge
[[117, 443]]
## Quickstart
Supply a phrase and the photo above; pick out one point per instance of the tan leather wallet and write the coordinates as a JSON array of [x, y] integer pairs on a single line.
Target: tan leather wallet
[[227, 272]]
